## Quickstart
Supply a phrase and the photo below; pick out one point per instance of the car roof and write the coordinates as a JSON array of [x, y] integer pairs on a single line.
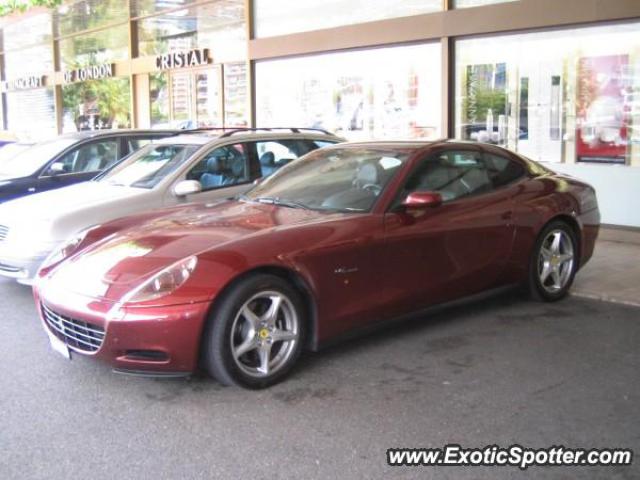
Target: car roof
[[405, 144], [84, 134], [205, 136]]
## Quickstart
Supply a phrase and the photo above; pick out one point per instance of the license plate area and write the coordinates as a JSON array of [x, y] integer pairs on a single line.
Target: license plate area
[[59, 346]]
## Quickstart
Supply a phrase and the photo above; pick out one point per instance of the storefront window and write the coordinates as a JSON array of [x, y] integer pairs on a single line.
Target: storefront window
[[31, 114], [97, 104], [82, 15], [28, 31], [281, 17], [476, 3], [378, 93], [95, 48], [36, 60], [140, 8], [219, 26], [186, 99], [562, 96], [159, 99], [235, 95]]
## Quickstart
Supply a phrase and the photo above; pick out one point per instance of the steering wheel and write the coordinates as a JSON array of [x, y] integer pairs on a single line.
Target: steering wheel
[[373, 188]]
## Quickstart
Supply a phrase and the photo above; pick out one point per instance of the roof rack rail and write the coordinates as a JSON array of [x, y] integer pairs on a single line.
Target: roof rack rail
[[228, 131], [270, 129]]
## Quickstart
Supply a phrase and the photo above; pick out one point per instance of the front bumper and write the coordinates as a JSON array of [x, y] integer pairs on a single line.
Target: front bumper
[[24, 270], [164, 341]]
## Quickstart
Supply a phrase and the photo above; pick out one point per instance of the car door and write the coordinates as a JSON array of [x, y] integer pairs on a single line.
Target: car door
[[80, 164], [456, 249], [223, 172]]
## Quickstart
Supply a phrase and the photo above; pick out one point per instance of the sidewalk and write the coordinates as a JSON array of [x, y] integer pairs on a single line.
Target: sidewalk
[[613, 274]]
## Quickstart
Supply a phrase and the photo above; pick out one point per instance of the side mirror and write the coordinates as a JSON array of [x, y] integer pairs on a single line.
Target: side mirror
[[187, 187], [422, 200], [56, 168]]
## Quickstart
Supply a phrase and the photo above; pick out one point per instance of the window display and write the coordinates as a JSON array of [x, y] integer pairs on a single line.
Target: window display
[[377, 93], [561, 96], [96, 105], [235, 95]]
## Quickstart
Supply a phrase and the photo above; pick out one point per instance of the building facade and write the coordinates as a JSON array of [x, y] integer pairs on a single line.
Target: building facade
[[557, 81]]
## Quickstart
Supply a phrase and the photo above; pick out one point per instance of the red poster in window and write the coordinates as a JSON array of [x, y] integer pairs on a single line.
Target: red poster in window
[[601, 126]]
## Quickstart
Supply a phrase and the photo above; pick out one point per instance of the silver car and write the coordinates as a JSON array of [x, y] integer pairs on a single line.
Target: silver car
[[194, 167]]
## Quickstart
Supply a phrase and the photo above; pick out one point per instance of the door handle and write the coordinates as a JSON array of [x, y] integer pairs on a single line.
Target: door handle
[[32, 189], [507, 215]]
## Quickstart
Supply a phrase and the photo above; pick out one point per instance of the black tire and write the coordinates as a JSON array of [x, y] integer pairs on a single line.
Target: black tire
[[219, 344], [542, 292]]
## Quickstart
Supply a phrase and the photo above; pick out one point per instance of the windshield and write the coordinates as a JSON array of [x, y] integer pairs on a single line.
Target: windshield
[[29, 160], [342, 179], [149, 166]]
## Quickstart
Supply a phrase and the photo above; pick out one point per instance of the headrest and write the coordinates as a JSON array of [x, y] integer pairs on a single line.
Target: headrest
[[267, 159], [367, 173], [237, 168], [214, 164]]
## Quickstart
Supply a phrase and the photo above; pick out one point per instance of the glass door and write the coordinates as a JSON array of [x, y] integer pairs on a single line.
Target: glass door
[[187, 98]]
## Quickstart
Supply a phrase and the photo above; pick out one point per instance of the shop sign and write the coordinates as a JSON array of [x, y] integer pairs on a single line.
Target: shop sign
[[23, 83], [93, 72], [191, 58]]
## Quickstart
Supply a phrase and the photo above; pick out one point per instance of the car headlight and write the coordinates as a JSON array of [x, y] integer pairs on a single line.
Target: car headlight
[[64, 251], [163, 283]]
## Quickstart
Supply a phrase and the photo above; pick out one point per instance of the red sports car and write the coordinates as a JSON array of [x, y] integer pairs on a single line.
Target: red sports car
[[344, 238]]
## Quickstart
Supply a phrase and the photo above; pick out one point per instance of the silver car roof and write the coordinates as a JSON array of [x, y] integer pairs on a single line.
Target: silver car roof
[[234, 136]]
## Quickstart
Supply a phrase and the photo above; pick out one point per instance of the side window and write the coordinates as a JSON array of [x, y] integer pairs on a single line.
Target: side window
[[454, 174], [320, 143], [136, 143], [91, 157], [224, 166], [274, 154], [502, 171]]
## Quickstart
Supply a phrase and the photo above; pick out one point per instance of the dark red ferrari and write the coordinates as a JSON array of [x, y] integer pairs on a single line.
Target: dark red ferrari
[[344, 238]]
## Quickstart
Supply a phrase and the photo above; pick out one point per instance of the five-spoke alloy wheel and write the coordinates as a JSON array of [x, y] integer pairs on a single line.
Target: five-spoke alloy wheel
[[255, 333], [554, 262]]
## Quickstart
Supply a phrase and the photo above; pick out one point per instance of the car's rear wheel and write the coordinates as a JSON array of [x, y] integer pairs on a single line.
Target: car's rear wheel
[[256, 332], [553, 263]]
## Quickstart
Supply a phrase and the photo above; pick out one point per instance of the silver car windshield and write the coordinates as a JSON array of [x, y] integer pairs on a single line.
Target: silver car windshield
[[29, 160], [149, 166], [332, 179]]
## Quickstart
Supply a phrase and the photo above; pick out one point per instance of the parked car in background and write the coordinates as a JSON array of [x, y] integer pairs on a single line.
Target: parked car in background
[[10, 150], [342, 239], [68, 159], [186, 168], [6, 138]]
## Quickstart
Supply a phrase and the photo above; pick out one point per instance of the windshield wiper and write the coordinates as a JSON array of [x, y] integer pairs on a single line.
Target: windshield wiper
[[281, 202]]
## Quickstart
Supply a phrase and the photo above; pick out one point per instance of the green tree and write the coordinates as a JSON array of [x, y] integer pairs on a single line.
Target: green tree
[[8, 7]]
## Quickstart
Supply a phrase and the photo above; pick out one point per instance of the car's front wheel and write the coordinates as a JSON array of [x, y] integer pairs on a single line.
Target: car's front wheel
[[255, 333], [553, 263]]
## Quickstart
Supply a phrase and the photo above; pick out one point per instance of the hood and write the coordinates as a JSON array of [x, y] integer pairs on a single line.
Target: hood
[[112, 267], [47, 206]]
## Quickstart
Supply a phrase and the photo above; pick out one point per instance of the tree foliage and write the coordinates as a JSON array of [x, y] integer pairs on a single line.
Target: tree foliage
[[8, 7]]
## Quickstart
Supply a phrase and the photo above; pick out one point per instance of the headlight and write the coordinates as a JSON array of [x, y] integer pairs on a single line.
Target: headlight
[[163, 282], [64, 251]]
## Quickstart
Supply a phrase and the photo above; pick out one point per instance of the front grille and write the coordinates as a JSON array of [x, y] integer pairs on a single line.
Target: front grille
[[75, 333], [4, 231]]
